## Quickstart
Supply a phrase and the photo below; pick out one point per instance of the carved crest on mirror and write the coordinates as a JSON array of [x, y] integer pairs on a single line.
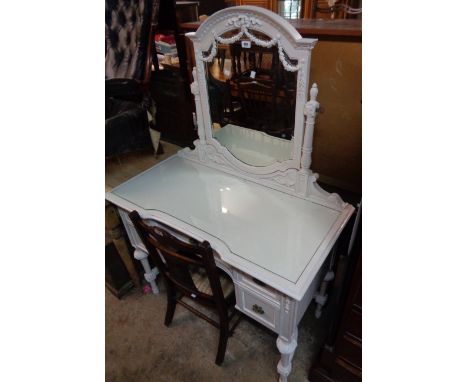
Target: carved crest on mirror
[[278, 161]]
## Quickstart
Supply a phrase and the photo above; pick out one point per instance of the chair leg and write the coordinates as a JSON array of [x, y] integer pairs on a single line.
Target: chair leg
[[223, 339], [171, 305]]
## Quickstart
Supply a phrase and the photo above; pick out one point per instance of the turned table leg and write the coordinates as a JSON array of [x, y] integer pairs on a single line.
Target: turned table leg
[[286, 348], [150, 274]]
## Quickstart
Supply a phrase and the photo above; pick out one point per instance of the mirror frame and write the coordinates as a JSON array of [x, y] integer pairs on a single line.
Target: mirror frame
[[294, 175]]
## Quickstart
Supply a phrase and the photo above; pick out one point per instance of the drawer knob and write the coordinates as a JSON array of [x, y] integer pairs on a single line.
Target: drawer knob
[[257, 309]]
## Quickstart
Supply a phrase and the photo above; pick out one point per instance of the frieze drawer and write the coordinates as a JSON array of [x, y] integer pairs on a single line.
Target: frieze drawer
[[260, 309], [259, 287]]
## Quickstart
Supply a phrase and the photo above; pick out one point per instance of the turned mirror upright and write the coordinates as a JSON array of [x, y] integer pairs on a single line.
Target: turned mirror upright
[[251, 82]]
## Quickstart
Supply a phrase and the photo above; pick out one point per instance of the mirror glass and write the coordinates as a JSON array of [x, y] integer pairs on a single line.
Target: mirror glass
[[252, 100]]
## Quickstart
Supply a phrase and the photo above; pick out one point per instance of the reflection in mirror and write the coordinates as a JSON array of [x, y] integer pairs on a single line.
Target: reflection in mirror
[[252, 100]]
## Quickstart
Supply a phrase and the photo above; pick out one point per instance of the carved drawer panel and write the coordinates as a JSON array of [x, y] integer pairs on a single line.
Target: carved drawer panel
[[258, 287], [260, 309]]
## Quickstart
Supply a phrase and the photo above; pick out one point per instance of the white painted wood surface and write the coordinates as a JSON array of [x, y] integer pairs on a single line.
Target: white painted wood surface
[[272, 227], [261, 236], [246, 223]]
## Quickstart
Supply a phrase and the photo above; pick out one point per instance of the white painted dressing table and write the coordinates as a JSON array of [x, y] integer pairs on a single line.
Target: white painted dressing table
[[271, 225]]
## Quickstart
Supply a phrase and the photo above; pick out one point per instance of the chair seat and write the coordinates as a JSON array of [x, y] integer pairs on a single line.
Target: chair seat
[[202, 283]]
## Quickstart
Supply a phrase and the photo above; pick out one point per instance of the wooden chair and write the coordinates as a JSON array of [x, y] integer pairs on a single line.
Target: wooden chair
[[190, 272]]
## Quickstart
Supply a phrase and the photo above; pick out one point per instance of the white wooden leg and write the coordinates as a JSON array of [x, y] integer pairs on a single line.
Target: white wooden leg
[[150, 274], [321, 296], [286, 348]]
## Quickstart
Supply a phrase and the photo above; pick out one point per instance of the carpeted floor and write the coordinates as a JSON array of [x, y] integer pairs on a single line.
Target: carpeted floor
[[139, 347]]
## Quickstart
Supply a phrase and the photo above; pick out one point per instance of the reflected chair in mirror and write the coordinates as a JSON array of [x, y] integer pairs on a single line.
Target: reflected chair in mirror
[[258, 99], [221, 55], [127, 71], [267, 107], [190, 273], [263, 61]]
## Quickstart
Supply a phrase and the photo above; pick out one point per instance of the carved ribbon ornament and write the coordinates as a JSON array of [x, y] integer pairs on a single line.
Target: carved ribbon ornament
[[245, 22]]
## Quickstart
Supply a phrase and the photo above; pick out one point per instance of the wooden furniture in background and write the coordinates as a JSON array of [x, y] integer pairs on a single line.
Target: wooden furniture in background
[[187, 10], [170, 88], [340, 359], [334, 30], [208, 7], [271, 5], [190, 272], [341, 9]]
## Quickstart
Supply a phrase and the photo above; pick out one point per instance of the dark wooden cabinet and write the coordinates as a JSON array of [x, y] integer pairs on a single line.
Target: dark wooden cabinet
[[174, 107], [341, 357]]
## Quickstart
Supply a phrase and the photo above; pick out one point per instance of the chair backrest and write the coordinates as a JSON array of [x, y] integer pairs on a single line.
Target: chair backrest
[[180, 262], [264, 61], [128, 43], [258, 100]]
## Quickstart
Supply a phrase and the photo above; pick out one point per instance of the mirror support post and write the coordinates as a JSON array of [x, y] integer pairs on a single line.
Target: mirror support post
[[310, 111], [305, 173], [194, 87]]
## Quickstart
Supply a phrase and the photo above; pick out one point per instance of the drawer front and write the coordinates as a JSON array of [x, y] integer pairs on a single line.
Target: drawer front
[[257, 307], [258, 287], [353, 324], [344, 371]]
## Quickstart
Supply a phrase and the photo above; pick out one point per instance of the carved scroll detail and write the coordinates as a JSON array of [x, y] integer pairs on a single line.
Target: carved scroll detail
[[245, 23]]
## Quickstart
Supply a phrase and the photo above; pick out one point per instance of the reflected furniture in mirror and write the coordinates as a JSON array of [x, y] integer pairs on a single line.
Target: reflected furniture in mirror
[[253, 87], [250, 194]]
